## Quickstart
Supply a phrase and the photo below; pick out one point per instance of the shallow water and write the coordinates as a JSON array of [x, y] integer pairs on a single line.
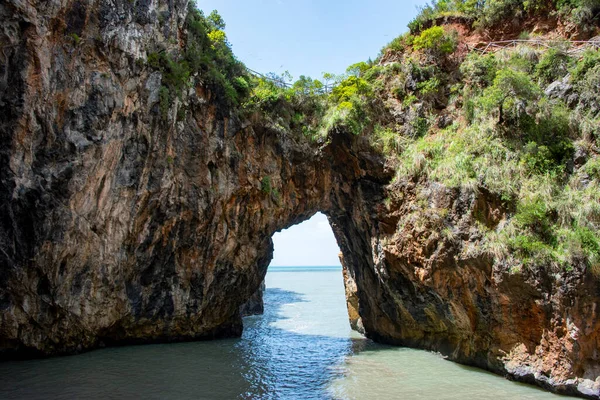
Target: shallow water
[[302, 348]]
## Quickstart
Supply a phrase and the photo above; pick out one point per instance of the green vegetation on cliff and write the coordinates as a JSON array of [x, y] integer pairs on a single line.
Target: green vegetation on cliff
[[583, 14], [206, 58], [521, 123]]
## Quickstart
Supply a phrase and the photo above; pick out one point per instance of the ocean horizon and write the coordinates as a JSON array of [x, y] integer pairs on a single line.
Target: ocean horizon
[[304, 268]]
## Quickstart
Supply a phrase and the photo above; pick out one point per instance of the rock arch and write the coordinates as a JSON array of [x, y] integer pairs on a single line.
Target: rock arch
[[151, 234]]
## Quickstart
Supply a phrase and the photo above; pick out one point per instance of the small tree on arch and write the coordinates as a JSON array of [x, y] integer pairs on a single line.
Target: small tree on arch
[[510, 92]]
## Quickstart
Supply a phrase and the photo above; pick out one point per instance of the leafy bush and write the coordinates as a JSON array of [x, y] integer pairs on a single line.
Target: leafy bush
[[592, 168], [208, 53], [488, 13], [590, 242], [479, 70], [509, 94], [537, 158], [154, 60], [590, 59], [588, 90], [215, 21], [218, 38], [430, 89], [176, 75], [524, 58], [265, 185], [76, 38], [401, 43], [350, 87], [436, 41], [164, 101], [553, 65], [531, 250], [585, 14], [425, 15], [265, 94], [533, 214], [495, 11], [307, 87], [584, 76], [554, 130]]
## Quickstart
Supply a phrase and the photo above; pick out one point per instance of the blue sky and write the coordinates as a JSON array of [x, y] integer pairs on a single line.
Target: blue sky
[[309, 37], [310, 243]]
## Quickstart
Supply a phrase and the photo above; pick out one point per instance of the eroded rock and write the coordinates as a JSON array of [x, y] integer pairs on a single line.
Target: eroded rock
[[254, 305]]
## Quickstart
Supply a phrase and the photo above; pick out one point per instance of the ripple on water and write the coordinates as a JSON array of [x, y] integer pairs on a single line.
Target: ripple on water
[[302, 348]]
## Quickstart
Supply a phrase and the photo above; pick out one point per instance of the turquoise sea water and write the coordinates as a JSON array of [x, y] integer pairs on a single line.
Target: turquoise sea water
[[302, 348]]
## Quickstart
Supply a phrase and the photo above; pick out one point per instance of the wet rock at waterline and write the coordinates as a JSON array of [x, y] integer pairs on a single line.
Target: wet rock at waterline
[[254, 305], [120, 227]]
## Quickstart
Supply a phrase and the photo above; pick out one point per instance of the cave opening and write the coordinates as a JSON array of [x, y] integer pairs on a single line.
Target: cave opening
[[306, 267], [308, 244]]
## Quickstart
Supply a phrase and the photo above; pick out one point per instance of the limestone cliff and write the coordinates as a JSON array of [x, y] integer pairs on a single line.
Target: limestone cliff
[[121, 225]]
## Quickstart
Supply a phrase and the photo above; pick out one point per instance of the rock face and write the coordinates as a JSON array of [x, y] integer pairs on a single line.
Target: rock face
[[118, 227], [433, 286], [254, 305]]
